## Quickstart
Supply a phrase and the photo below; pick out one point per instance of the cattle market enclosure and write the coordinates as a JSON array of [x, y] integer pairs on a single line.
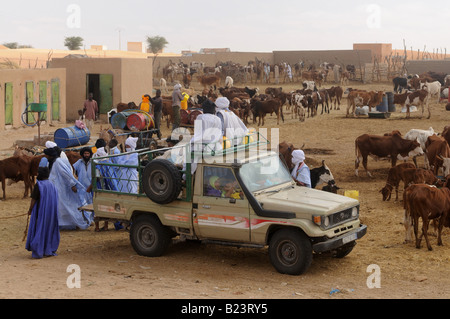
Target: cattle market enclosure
[[111, 80], [20, 87]]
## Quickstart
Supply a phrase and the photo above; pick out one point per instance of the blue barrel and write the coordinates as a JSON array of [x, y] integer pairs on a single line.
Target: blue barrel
[[71, 136], [119, 120], [390, 99], [383, 107]]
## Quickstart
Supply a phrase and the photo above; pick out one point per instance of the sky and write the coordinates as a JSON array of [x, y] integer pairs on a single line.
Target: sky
[[241, 25]]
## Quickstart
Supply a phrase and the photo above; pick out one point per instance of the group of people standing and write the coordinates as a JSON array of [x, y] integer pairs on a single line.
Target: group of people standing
[[61, 189]]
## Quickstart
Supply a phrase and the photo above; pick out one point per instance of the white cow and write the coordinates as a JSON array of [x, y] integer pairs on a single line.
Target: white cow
[[433, 88], [420, 136], [309, 85], [229, 82], [163, 85]]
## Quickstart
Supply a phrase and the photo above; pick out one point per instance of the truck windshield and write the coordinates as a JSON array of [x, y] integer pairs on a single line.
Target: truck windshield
[[264, 173]]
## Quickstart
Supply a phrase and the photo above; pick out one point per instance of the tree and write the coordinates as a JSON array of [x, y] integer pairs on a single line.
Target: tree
[[156, 44], [73, 43]]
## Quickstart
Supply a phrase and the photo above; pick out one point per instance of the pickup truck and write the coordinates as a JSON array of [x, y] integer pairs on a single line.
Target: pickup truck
[[238, 196]]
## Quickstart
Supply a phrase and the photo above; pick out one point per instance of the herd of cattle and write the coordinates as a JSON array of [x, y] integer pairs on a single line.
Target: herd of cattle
[[250, 103]]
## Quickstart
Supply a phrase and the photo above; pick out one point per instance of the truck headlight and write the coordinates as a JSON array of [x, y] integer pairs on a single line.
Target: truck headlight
[[355, 212]]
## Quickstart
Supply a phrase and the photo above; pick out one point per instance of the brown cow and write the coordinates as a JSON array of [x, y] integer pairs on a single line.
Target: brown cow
[[16, 168], [360, 98], [285, 151], [207, 81], [336, 93], [261, 108], [428, 203], [393, 146], [418, 98], [395, 176], [438, 154]]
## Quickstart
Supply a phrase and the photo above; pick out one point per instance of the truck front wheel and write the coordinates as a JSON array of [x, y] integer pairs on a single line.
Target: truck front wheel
[[148, 236], [290, 251]]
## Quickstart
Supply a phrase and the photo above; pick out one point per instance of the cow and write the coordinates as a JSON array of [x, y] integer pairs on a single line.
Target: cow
[[400, 84], [394, 146], [229, 82], [321, 175], [400, 98], [261, 108], [433, 89], [420, 136], [251, 92], [446, 134], [285, 150], [208, 81], [394, 178], [309, 85], [336, 93], [16, 168], [425, 202], [163, 85], [438, 154], [361, 98], [417, 98]]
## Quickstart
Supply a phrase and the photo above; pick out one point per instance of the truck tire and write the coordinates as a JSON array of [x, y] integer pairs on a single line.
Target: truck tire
[[290, 251], [148, 236], [161, 181]]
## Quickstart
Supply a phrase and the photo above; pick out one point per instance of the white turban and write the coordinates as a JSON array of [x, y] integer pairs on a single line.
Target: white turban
[[131, 142], [222, 102], [101, 152], [177, 86], [50, 144], [298, 156]]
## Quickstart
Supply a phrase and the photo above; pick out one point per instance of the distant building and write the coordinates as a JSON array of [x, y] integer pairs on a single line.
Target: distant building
[[214, 50], [379, 50], [136, 47], [98, 47]]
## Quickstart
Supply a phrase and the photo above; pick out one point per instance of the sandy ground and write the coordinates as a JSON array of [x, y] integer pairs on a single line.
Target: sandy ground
[[111, 269]]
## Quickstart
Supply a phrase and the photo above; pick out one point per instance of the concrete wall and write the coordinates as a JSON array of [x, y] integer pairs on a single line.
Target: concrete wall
[[19, 78], [317, 57], [131, 79], [419, 66], [379, 50]]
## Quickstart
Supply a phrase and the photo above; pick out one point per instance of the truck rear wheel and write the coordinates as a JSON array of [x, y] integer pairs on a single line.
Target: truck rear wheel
[[161, 181], [148, 236], [290, 251]]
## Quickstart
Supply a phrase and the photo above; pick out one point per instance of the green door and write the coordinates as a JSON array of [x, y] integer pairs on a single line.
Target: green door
[[8, 103], [106, 94], [29, 100], [43, 97], [55, 100]]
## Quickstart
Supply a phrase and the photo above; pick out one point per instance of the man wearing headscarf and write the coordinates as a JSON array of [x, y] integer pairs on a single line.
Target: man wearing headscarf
[[232, 126], [301, 173], [43, 232], [157, 110], [84, 172], [130, 158], [207, 132], [177, 97], [71, 195]]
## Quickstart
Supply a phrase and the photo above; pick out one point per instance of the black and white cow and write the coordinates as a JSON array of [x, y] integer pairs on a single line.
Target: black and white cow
[[321, 175], [400, 84]]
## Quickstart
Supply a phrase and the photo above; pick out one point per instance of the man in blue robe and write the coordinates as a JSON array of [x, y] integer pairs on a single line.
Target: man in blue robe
[[71, 196], [43, 231], [84, 172]]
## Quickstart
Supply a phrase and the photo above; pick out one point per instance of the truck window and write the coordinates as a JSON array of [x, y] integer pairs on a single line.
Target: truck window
[[221, 182]]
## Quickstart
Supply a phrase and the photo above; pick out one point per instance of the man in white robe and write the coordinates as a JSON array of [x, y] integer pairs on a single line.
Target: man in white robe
[[232, 126]]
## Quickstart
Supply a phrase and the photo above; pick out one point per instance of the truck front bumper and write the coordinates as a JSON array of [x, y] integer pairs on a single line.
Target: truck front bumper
[[340, 241]]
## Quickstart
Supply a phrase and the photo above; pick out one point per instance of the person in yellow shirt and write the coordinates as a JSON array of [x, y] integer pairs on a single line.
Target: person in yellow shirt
[[145, 104]]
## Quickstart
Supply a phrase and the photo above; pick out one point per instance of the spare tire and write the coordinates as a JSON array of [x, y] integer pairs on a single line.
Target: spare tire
[[161, 181]]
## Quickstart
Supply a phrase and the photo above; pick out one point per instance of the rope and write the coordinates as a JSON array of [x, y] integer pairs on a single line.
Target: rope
[[26, 229], [11, 217]]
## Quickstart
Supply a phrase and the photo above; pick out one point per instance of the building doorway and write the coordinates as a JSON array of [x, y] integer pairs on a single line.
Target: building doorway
[[101, 86]]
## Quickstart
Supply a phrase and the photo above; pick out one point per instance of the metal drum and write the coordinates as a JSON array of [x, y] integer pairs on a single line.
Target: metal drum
[[71, 137]]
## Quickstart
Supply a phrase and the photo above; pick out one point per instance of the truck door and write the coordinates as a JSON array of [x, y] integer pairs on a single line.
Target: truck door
[[220, 209]]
